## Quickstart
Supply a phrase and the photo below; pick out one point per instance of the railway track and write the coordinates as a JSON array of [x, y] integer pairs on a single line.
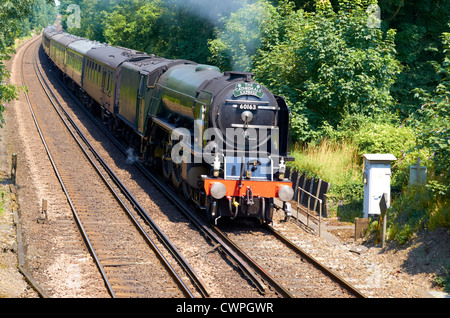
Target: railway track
[[128, 259], [291, 269], [261, 275]]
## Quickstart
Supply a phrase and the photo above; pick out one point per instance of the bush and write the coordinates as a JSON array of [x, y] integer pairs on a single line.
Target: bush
[[329, 64], [338, 157], [428, 206], [417, 208], [444, 280], [242, 34], [384, 138]]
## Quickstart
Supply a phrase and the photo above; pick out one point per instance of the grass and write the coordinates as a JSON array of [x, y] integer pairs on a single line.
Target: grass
[[336, 163], [2, 202]]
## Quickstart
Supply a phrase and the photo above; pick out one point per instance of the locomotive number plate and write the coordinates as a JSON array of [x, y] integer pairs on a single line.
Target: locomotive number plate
[[247, 106]]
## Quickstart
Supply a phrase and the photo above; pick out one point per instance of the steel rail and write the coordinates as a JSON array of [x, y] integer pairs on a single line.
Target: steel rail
[[258, 269], [336, 277], [158, 253], [177, 201], [245, 263], [238, 258], [203, 289], [77, 219]]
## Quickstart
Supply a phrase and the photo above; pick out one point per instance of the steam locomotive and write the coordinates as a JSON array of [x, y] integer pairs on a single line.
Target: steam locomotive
[[219, 138]]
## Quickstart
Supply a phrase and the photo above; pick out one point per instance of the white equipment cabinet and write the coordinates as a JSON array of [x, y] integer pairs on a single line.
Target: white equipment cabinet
[[377, 180]]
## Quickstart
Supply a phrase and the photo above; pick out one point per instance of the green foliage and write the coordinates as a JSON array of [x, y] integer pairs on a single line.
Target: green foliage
[[434, 135], [92, 15], [133, 24], [42, 14], [336, 163], [419, 25], [384, 138], [418, 208], [11, 15], [434, 117], [330, 64], [177, 29], [444, 280], [380, 134], [8, 92], [242, 35], [429, 206], [431, 123]]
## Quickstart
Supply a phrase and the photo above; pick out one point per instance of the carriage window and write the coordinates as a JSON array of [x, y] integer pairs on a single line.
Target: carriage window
[[109, 81], [112, 81]]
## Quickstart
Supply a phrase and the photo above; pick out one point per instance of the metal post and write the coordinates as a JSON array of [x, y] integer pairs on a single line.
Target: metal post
[[43, 215], [418, 171], [383, 215], [14, 168], [308, 211], [319, 185], [320, 214], [307, 208]]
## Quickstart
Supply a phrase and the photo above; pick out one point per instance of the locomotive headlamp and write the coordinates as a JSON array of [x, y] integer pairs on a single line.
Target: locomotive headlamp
[[282, 169], [247, 116], [216, 166], [286, 193], [218, 190]]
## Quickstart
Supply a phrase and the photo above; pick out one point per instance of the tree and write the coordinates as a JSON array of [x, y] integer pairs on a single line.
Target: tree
[[434, 119], [243, 33], [42, 15], [169, 28], [132, 24], [92, 15], [330, 64], [419, 26], [11, 15]]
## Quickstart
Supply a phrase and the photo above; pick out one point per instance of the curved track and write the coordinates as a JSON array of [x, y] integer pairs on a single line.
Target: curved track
[[127, 267], [261, 274]]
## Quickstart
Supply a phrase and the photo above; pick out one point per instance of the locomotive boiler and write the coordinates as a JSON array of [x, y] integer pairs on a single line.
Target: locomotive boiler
[[221, 139]]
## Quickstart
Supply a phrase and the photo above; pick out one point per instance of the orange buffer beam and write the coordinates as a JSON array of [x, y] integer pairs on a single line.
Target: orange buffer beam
[[267, 189]]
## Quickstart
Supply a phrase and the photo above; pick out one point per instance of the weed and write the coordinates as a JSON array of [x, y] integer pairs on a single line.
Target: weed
[[336, 163], [444, 280]]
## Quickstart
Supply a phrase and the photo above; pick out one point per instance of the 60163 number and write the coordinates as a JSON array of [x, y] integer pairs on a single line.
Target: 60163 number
[[247, 106]]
